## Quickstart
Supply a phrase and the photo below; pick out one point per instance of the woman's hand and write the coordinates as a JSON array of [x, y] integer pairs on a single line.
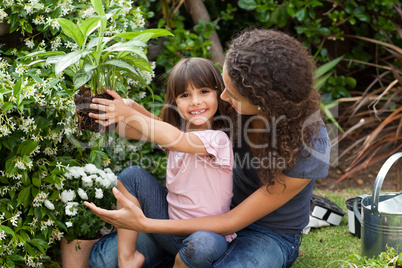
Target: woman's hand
[[114, 110], [129, 216]]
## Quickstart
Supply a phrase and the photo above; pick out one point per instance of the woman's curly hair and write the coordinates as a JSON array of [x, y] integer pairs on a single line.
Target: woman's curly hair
[[276, 72]]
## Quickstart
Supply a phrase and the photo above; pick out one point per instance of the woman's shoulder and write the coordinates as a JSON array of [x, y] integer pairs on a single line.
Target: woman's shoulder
[[312, 162]]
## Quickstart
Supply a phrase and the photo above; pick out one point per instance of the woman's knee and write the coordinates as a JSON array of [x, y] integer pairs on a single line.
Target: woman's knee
[[104, 252]]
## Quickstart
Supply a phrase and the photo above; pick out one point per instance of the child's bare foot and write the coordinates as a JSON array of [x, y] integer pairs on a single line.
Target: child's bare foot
[[132, 261]]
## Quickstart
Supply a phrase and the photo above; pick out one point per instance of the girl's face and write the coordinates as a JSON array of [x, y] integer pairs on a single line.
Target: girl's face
[[197, 106], [240, 103]]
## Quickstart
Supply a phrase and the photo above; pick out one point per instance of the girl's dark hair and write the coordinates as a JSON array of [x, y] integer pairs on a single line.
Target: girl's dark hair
[[200, 73], [276, 72]]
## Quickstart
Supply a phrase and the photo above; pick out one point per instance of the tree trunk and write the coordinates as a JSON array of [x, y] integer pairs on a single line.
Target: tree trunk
[[198, 11]]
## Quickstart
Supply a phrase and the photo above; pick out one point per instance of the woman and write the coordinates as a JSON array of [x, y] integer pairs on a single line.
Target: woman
[[281, 148]]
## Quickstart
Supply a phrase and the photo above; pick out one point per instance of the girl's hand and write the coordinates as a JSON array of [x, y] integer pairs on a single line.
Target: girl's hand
[[129, 216], [114, 110]]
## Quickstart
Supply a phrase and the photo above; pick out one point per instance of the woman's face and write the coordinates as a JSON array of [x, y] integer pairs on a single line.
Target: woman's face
[[240, 103]]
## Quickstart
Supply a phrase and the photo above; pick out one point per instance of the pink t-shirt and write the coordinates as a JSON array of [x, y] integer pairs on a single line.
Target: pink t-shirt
[[201, 185]]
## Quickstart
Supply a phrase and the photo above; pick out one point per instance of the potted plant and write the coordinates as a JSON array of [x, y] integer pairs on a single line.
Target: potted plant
[[82, 227], [101, 61]]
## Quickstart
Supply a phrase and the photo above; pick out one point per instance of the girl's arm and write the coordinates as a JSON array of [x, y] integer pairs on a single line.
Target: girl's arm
[[152, 129], [256, 206], [128, 132]]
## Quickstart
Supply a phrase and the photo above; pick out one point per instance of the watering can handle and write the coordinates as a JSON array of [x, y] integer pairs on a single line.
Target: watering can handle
[[355, 208], [380, 178]]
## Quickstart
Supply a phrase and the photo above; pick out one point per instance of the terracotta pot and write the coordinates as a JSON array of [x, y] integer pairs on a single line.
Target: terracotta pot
[[75, 254]]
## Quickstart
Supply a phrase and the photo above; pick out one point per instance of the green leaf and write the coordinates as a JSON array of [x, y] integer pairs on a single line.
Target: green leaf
[[7, 106], [17, 87], [350, 81], [155, 34], [325, 108], [16, 257], [24, 195], [8, 230], [247, 4], [123, 65], [71, 30], [301, 14], [40, 244], [83, 76], [139, 63], [322, 80], [89, 25], [131, 46], [54, 59], [43, 54], [10, 262], [327, 67], [67, 60], [36, 182], [26, 147], [144, 37], [97, 5]]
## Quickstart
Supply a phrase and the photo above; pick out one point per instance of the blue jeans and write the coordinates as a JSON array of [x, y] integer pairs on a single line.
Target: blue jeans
[[158, 248], [255, 246]]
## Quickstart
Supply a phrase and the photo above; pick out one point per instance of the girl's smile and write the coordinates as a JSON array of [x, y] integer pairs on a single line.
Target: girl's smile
[[198, 111], [197, 106]]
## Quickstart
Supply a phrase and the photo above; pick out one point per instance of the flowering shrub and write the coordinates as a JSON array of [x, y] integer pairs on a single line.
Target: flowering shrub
[[90, 184], [38, 140]]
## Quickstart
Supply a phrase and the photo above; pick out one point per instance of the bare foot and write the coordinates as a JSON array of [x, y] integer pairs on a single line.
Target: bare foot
[[133, 261]]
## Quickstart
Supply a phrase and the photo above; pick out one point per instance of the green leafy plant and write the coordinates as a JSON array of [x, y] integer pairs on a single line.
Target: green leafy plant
[[38, 140], [101, 61], [390, 258]]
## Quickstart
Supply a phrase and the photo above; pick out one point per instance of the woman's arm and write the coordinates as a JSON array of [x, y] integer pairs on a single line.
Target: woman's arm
[[153, 130], [256, 206]]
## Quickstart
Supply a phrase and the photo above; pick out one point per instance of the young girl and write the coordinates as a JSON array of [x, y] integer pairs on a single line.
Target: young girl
[[199, 159]]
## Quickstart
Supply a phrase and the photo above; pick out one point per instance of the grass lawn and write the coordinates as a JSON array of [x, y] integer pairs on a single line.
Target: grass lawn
[[330, 246]]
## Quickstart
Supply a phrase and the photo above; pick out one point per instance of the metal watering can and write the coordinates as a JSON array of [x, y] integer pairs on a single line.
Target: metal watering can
[[381, 216]]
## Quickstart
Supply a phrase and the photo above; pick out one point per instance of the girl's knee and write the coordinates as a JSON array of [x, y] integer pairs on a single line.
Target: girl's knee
[[202, 248], [132, 174]]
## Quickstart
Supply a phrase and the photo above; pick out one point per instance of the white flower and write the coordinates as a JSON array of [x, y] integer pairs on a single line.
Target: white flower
[[14, 219], [142, 94], [98, 193], [3, 15], [87, 181], [72, 208], [49, 204], [76, 172], [69, 224], [67, 195], [82, 194], [2, 235], [91, 168]]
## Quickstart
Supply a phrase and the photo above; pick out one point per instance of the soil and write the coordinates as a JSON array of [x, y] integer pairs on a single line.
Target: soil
[[363, 179], [82, 101]]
